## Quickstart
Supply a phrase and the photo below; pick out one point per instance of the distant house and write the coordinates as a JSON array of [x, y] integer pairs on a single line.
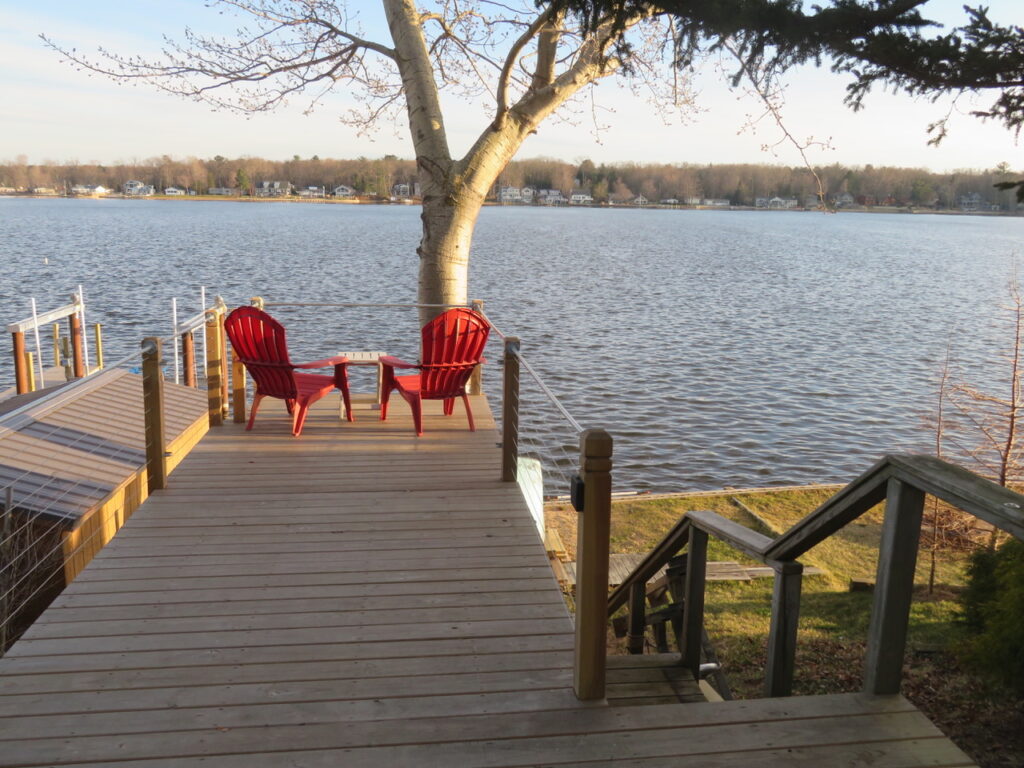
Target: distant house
[[761, 202], [784, 202], [845, 200], [716, 202], [972, 202], [691, 201], [639, 200], [87, 190], [670, 201], [222, 191], [137, 189], [527, 194], [344, 191], [44, 191], [309, 192], [550, 197], [811, 201], [273, 189], [174, 191], [508, 195], [580, 198]]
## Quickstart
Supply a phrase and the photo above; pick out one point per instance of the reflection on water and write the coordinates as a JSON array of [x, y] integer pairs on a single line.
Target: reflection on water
[[719, 348]]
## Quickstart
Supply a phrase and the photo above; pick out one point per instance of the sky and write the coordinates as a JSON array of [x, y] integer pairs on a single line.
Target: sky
[[51, 112]]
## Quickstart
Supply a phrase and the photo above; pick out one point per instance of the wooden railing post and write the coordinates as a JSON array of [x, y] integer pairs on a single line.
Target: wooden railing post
[[77, 356], [30, 366], [592, 565], [56, 345], [475, 385], [98, 336], [188, 358], [894, 587], [637, 633], [693, 602], [20, 371], [510, 412], [213, 369], [238, 389], [153, 407], [778, 676], [224, 365]]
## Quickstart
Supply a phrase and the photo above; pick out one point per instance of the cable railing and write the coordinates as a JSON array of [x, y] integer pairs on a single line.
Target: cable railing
[[58, 515]]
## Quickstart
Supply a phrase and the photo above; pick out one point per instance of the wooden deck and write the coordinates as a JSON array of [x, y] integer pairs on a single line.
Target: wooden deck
[[361, 597]]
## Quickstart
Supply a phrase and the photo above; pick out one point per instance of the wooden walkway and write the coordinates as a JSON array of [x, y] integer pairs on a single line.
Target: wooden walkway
[[361, 597]]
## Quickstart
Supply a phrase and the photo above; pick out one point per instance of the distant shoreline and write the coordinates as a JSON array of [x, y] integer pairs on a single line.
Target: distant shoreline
[[491, 204]]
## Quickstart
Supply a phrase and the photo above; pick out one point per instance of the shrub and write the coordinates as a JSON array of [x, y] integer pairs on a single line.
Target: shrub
[[993, 609]]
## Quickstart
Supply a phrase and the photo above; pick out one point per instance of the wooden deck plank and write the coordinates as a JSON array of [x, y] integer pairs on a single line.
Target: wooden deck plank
[[363, 597]]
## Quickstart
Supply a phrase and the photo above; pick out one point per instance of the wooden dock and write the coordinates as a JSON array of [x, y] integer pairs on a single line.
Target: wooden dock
[[363, 597]]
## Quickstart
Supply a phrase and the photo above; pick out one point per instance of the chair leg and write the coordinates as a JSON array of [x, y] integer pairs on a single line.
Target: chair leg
[[385, 396], [300, 418], [417, 414], [449, 406], [341, 382], [252, 412], [290, 405], [469, 412]]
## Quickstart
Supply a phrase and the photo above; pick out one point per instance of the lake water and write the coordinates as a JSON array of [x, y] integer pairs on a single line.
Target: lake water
[[719, 348]]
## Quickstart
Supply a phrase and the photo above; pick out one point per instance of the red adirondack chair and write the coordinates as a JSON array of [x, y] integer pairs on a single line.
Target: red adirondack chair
[[452, 345], [259, 341]]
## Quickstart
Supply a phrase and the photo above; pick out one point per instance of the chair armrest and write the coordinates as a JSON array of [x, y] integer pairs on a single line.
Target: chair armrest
[[327, 361], [396, 362]]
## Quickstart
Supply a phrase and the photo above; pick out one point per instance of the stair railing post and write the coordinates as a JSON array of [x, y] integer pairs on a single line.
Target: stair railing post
[[510, 412], [637, 633], [153, 413], [778, 676], [475, 385], [693, 601], [593, 527], [894, 588], [213, 368], [225, 365]]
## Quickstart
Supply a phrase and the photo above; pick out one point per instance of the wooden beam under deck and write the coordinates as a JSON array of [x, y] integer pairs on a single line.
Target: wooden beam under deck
[[363, 597]]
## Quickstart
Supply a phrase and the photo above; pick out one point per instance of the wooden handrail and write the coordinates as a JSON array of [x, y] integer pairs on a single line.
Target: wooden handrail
[[902, 482]]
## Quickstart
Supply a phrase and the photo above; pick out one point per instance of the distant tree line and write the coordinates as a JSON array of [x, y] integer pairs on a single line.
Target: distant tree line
[[741, 184]]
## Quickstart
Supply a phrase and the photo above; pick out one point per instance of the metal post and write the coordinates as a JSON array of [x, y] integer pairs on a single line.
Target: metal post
[[224, 364], [778, 676], [592, 565], [510, 412], [894, 588], [213, 368], [153, 407]]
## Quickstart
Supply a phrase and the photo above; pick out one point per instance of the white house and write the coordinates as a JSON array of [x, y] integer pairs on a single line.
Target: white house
[[580, 198], [845, 200], [716, 202], [640, 200], [273, 189], [137, 189], [550, 197], [174, 191], [691, 200], [222, 191], [312, 192], [344, 191], [510, 195], [670, 201]]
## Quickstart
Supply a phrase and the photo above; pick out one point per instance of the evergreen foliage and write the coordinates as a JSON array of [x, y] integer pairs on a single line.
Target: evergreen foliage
[[993, 607]]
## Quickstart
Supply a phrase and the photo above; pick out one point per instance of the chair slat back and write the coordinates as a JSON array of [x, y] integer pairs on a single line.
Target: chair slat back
[[259, 341], [452, 345]]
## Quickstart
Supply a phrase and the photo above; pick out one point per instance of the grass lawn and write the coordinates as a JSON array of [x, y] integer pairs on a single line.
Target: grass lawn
[[833, 620]]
